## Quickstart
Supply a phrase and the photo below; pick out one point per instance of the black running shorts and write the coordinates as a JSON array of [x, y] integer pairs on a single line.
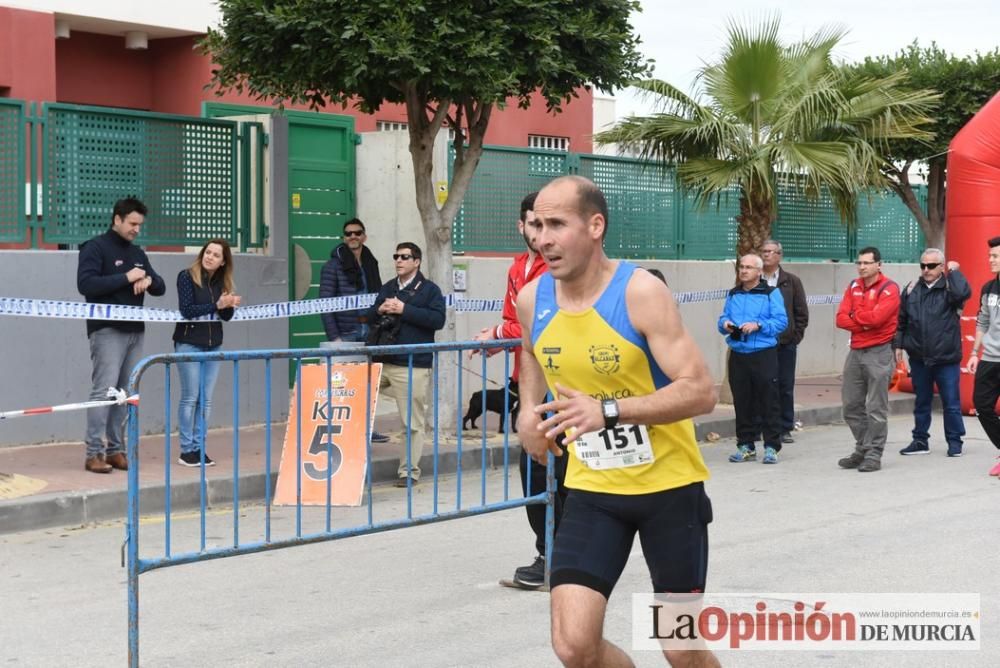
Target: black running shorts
[[596, 532]]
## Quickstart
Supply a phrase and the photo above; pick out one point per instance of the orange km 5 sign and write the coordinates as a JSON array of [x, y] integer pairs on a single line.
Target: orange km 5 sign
[[334, 434]]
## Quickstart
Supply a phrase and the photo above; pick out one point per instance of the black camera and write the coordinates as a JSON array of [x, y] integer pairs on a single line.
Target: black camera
[[735, 334], [385, 330]]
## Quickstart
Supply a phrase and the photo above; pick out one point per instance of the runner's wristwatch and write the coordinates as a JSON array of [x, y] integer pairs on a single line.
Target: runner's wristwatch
[[610, 409]]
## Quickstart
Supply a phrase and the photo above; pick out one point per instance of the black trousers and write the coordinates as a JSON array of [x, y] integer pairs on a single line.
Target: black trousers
[[536, 513], [984, 397], [786, 385], [753, 378]]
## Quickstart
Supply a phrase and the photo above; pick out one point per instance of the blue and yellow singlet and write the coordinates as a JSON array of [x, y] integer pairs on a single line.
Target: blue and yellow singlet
[[599, 352]]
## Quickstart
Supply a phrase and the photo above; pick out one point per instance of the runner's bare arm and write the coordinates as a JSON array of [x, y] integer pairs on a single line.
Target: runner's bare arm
[[531, 387], [655, 315], [692, 389]]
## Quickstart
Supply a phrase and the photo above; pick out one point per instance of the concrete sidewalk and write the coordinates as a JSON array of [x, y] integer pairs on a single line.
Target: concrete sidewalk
[[46, 485]]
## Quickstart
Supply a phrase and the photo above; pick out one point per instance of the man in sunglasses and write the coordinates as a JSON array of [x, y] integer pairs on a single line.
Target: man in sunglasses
[[409, 309], [351, 270], [870, 312], [929, 331]]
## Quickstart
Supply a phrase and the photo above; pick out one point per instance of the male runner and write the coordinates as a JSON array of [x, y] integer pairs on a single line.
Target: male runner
[[608, 342]]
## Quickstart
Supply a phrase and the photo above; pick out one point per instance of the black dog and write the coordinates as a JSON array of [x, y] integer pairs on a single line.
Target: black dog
[[495, 403]]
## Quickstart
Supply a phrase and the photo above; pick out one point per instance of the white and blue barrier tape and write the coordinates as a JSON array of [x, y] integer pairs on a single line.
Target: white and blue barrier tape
[[67, 310]]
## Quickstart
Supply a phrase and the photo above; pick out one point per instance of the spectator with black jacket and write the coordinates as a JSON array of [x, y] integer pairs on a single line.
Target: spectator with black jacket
[[351, 270], [113, 270], [409, 309], [204, 288], [929, 330], [797, 310]]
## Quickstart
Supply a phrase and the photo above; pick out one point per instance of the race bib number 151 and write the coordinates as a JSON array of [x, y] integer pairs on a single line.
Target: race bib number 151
[[620, 447]]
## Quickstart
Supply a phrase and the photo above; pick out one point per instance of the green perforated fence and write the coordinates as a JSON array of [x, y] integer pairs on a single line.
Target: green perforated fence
[[184, 169], [652, 217], [13, 223]]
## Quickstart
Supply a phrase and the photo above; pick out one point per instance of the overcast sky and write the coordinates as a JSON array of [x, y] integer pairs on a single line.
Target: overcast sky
[[680, 37]]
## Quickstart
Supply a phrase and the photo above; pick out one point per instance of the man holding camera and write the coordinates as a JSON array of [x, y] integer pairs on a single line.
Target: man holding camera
[[407, 311], [752, 320]]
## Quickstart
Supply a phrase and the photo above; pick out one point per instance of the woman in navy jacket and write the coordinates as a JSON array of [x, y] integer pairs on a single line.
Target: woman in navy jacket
[[204, 288]]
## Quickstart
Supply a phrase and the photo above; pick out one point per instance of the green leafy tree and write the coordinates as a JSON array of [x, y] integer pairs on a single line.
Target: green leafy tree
[[965, 85], [448, 61], [773, 114]]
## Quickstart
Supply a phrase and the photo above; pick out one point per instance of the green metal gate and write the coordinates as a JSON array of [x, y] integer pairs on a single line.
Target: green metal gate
[[13, 221], [321, 186]]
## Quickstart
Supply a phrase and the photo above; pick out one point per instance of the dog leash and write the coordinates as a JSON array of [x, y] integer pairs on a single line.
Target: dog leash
[[486, 378]]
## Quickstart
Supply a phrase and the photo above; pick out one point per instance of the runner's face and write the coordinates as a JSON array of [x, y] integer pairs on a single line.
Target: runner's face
[[565, 239]]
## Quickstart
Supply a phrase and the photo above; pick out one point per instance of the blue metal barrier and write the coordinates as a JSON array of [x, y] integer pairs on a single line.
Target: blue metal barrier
[[138, 564]]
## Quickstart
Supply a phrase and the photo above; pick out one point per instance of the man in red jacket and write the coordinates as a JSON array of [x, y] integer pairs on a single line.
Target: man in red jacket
[[526, 267], [869, 311]]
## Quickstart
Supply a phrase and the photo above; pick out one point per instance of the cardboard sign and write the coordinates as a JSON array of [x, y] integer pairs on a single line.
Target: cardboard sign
[[340, 422]]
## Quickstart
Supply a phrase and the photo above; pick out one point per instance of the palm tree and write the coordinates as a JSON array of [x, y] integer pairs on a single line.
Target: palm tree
[[775, 114]]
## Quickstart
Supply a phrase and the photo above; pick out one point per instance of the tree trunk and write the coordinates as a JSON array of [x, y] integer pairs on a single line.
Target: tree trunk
[[755, 218], [933, 229], [935, 205], [437, 222]]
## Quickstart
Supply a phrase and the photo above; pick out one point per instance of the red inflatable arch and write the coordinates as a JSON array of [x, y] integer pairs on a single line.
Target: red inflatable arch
[[972, 213]]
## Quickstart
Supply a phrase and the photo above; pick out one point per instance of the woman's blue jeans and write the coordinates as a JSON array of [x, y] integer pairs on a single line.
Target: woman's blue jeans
[[195, 407]]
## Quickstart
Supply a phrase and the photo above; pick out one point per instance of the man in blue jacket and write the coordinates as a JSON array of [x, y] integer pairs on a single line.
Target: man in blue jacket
[[113, 270], [752, 320], [409, 309]]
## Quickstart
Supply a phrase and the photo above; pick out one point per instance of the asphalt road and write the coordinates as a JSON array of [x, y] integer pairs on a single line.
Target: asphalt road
[[428, 596]]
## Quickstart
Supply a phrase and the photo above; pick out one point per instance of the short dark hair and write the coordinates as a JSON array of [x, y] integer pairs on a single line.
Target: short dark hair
[[412, 247], [528, 204], [125, 206], [876, 255], [354, 221], [994, 242]]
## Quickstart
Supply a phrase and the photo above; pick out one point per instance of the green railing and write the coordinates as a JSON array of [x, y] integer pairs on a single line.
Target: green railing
[[13, 224], [200, 178], [652, 217]]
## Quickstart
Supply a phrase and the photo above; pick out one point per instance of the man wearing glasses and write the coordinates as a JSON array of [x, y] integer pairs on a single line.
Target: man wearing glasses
[[409, 309], [794, 296], [869, 311], [752, 319], [929, 331]]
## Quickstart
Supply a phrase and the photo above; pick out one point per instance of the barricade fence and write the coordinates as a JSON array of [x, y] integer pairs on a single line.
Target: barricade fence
[[326, 471]]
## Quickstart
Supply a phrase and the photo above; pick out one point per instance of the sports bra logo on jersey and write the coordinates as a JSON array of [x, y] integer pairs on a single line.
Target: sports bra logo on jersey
[[605, 358]]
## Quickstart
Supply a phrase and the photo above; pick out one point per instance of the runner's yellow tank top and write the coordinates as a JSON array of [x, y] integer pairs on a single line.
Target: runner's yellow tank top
[[599, 352]]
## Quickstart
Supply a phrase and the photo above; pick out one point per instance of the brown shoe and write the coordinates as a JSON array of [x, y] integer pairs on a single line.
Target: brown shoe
[[118, 461], [401, 482], [96, 464]]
